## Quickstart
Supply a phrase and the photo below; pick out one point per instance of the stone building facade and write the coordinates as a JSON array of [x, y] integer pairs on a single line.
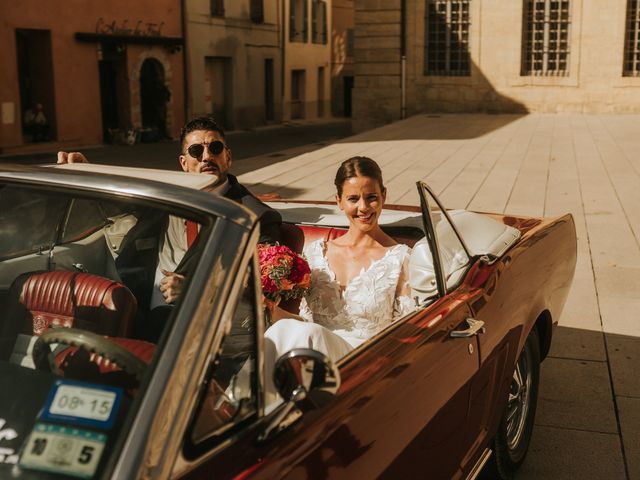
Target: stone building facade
[[94, 73], [255, 62], [495, 56], [235, 60]]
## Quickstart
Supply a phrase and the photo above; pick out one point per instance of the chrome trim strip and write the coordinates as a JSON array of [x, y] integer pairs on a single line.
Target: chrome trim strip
[[477, 468], [162, 193]]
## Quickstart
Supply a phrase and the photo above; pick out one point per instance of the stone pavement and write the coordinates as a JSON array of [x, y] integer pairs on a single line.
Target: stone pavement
[[588, 419]]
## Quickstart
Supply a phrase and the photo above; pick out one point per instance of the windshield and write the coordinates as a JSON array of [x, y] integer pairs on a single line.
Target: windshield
[[88, 285]]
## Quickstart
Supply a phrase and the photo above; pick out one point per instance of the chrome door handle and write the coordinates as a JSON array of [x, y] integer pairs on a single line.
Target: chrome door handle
[[475, 327]]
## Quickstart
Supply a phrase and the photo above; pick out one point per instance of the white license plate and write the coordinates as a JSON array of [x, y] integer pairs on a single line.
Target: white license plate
[[64, 450], [83, 402]]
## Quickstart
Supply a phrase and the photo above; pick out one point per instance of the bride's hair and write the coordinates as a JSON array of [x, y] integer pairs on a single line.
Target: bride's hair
[[357, 167]]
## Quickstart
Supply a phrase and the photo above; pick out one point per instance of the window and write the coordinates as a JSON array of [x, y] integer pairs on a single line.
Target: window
[[230, 394], [631, 66], [298, 19], [350, 42], [545, 42], [35, 81], [257, 11], [320, 91], [217, 8], [297, 93], [29, 220], [319, 21], [85, 217], [447, 38]]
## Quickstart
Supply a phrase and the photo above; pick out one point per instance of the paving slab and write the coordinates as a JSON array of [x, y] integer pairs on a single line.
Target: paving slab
[[581, 310], [618, 280], [578, 344], [629, 409], [620, 315], [624, 359], [561, 454], [576, 394]]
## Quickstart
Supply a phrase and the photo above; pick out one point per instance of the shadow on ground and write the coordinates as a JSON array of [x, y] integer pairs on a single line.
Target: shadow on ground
[[588, 418]]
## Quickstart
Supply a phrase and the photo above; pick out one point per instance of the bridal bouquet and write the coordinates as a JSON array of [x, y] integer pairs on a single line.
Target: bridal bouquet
[[284, 274]]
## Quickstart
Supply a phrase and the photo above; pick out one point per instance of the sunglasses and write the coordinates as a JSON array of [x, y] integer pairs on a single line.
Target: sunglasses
[[197, 149]]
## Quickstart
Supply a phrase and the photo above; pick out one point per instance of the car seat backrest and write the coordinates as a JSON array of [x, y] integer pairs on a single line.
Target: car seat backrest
[[422, 277], [292, 236], [313, 233], [38, 300]]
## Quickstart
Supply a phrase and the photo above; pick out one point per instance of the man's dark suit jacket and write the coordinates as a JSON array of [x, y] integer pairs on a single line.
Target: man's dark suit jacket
[[270, 220], [151, 225]]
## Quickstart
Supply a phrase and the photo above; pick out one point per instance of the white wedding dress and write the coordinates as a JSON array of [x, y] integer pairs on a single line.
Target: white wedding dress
[[338, 320]]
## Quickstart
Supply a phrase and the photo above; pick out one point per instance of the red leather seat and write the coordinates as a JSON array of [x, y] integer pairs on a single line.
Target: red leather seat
[[292, 236], [313, 233], [71, 299]]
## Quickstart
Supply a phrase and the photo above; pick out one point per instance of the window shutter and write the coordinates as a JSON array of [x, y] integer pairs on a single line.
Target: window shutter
[[292, 20], [314, 21], [257, 11], [217, 8], [324, 22], [305, 21]]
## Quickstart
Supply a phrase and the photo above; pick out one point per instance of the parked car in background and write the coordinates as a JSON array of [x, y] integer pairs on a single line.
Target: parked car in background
[[444, 392]]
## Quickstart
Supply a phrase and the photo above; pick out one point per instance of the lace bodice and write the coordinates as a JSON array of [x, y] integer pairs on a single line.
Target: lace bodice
[[367, 304]]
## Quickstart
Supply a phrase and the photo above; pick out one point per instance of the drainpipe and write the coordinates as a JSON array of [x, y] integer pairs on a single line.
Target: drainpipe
[[185, 61], [403, 60], [282, 50]]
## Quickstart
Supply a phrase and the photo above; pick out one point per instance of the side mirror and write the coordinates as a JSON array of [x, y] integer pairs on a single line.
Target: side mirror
[[302, 377], [304, 374]]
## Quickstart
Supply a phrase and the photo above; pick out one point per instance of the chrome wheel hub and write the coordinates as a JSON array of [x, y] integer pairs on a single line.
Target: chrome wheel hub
[[519, 400]]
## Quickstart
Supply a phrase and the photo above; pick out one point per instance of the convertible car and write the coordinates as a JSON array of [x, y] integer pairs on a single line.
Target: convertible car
[[95, 384]]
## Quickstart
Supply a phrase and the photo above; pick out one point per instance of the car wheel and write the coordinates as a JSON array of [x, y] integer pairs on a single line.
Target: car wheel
[[514, 434]]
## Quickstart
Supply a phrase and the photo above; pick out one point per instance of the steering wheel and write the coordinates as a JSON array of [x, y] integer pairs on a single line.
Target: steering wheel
[[91, 342]]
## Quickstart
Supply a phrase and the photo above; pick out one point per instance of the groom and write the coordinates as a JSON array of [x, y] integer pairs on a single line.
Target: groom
[[203, 150]]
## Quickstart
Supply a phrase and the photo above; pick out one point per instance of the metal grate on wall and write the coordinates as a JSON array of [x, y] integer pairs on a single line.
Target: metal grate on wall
[[545, 37], [216, 8], [256, 10], [631, 66], [447, 38]]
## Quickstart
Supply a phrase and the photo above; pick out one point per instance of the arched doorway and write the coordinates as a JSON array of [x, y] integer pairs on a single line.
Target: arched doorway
[[154, 96]]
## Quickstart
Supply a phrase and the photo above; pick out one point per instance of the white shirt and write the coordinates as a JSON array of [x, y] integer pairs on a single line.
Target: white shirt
[[173, 246]]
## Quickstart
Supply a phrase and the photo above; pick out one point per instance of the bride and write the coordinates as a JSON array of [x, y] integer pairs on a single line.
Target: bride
[[359, 281]]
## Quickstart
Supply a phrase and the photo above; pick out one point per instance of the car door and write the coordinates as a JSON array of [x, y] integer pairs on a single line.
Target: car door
[[402, 410], [475, 280]]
